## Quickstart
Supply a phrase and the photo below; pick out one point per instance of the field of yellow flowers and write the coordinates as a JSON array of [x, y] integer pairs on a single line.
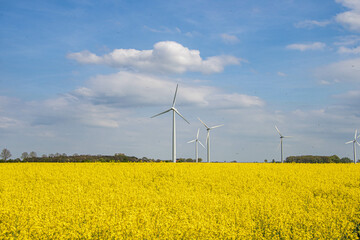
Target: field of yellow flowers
[[179, 201]]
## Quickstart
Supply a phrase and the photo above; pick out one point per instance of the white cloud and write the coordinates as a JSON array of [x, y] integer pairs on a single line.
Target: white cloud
[[85, 57], [165, 57], [312, 23], [112, 101], [127, 89], [350, 19], [342, 71], [353, 4], [355, 50], [304, 47], [230, 39]]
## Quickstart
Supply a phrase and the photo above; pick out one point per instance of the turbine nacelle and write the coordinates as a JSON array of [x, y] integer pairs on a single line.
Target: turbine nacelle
[[197, 139], [281, 136]]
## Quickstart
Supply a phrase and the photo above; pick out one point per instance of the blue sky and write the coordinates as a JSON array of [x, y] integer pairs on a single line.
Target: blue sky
[[85, 76]]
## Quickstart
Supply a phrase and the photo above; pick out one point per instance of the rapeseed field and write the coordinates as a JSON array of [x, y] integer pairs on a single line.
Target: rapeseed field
[[179, 201]]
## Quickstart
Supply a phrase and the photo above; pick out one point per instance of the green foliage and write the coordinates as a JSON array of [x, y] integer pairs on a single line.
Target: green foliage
[[188, 160], [316, 159]]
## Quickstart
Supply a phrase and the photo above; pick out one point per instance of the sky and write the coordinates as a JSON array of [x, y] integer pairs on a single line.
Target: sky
[[83, 76]]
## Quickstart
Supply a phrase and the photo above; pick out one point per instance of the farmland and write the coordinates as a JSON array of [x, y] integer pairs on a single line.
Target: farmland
[[179, 201]]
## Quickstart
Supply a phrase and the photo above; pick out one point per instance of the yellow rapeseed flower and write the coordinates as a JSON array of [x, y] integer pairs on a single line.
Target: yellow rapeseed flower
[[179, 201]]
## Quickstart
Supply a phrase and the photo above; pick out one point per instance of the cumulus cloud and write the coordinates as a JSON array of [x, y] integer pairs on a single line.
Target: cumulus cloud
[[113, 101], [166, 56], [305, 47], [311, 24], [342, 71], [127, 89], [350, 19]]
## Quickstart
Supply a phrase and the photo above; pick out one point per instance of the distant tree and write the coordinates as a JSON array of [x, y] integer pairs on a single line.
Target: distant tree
[[24, 155], [75, 155], [5, 154], [316, 159], [44, 156], [346, 160], [273, 161], [265, 160], [334, 159], [33, 154]]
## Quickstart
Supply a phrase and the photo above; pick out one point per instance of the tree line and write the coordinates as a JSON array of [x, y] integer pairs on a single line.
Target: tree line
[[5, 156], [62, 157], [318, 159]]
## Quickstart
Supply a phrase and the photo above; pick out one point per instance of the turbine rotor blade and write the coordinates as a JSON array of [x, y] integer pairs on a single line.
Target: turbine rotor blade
[[205, 147], [175, 95], [278, 131], [181, 115], [197, 135], [203, 123], [358, 143], [349, 142], [217, 126], [161, 113], [287, 136], [191, 141]]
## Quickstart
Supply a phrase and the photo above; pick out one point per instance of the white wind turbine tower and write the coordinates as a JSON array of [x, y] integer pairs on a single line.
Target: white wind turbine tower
[[354, 144], [174, 110], [208, 138], [281, 142], [196, 140]]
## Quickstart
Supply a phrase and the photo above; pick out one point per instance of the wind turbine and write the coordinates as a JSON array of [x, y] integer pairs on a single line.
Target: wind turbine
[[208, 138], [174, 110], [354, 144], [196, 140], [281, 142]]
